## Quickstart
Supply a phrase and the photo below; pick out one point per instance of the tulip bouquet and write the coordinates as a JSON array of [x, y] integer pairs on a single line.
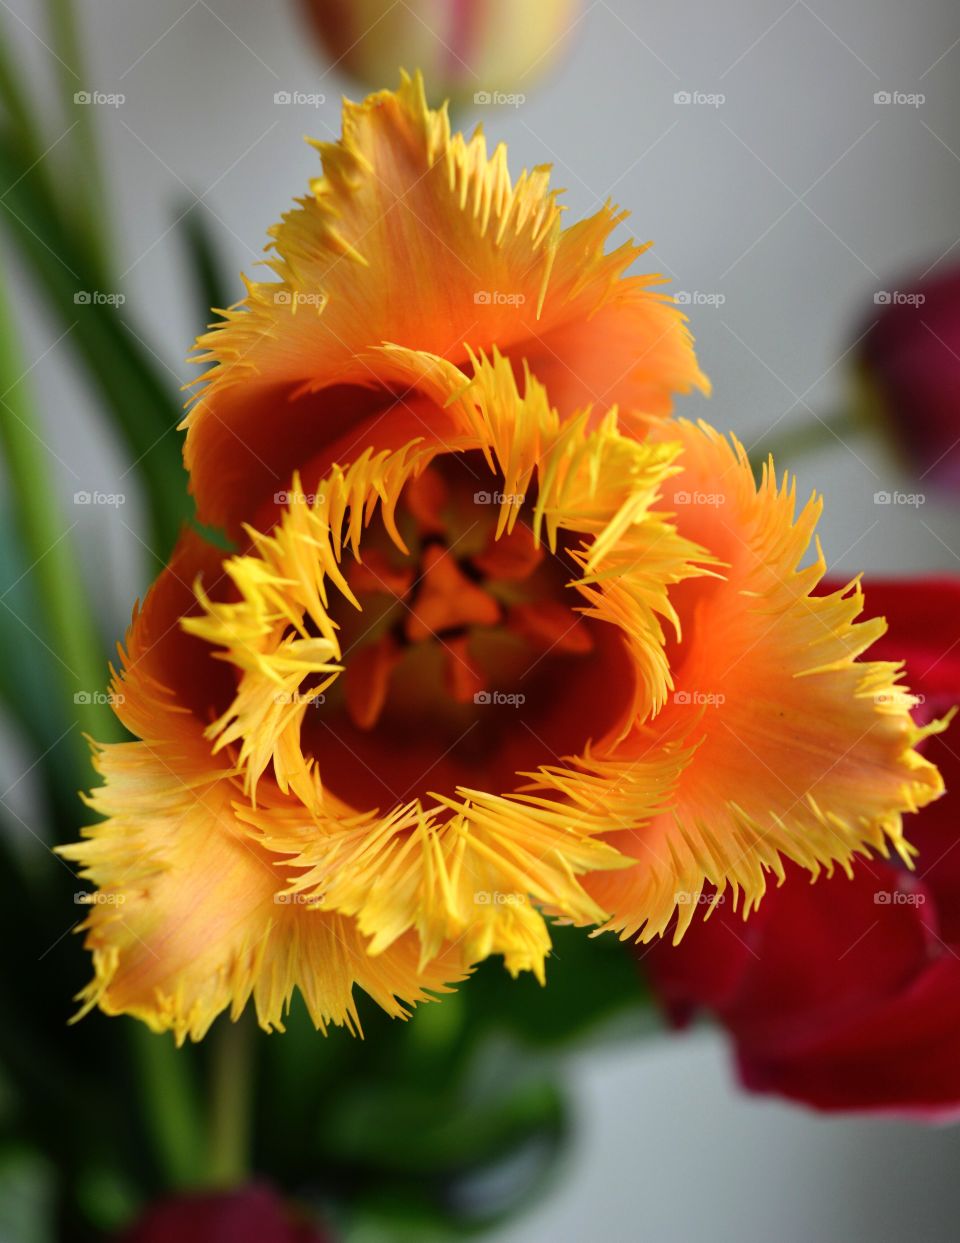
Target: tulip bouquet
[[473, 679]]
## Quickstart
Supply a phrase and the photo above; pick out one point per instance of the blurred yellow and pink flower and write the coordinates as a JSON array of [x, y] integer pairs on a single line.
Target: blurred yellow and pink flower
[[485, 51]]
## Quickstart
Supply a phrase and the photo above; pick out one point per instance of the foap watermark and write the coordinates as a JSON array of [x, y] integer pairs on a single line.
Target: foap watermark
[[698, 297], [912, 500], [298, 899], [899, 897], [699, 99], [510, 700], [98, 297], [99, 698], [705, 699], [712, 499], [288, 498], [498, 297], [499, 498], [112, 500], [98, 899], [898, 698], [298, 297], [906, 99], [689, 897], [308, 699], [499, 99], [299, 99], [99, 99], [493, 897], [896, 297]]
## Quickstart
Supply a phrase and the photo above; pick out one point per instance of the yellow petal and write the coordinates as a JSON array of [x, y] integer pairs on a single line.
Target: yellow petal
[[191, 918]]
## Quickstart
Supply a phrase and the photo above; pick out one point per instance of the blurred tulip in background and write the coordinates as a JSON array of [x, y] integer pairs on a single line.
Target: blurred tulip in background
[[845, 994], [468, 49], [910, 360], [252, 1214]]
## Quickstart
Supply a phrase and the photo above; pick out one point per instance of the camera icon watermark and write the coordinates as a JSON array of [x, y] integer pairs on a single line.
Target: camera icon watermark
[[98, 297], [712, 499], [498, 297], [689, 897], [309, 699], [908, 99], [499, 498], [704, 699], [499, 698], [113, 500], [290, 498], [899, 897], [699, 99], [899, 699], [894, 297], [911, 499], [498, 99], [698, 297], [301, 99], [99, 99], [299, 297], [98, 698]]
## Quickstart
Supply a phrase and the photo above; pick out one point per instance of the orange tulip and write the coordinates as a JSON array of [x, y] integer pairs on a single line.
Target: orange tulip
[[499, 643]]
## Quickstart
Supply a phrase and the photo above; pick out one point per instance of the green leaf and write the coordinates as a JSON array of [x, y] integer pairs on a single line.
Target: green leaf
[[87, 204], [209, 279], [143, 405]]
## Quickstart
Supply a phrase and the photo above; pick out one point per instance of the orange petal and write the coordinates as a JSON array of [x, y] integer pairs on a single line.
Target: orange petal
[[376, 572], [799, 749], [447, 599], [366, 680], [169, 685], [551, 625], [404, 205], [462, 676], [425, 497], [512, 558]]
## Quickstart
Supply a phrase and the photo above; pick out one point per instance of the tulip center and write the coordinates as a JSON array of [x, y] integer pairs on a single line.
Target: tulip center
[[469, 662]]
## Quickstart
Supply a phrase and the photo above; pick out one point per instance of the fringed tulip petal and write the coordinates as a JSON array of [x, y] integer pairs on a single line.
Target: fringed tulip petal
[[419, 237], [800, 749]]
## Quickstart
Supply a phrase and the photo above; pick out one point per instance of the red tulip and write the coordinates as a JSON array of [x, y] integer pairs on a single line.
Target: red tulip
[[253, 1214], [911, 358], [846, 994]]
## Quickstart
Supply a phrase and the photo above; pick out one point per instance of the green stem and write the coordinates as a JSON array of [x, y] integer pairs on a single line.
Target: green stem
[[231, 1099], [170, 1106], [799, 439], [87, 184]]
